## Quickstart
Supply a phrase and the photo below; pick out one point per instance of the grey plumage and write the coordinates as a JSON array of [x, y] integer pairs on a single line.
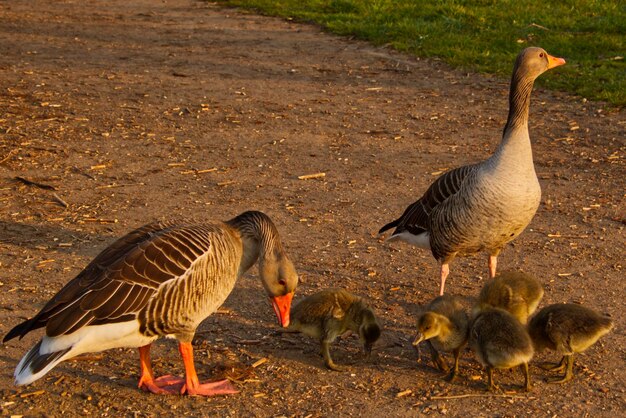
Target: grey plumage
[[567, 328], [514, 291], [483, 206]]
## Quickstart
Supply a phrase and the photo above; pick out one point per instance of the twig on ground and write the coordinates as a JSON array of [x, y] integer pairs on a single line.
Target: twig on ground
[[9, 155], [111, 186], [60, 201], [312, 176], [34, 183], [480, 395], [88, 357]]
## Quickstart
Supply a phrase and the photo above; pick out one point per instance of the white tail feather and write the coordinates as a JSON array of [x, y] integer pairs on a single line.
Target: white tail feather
[[25, 370], [421, 241], [50, 351]]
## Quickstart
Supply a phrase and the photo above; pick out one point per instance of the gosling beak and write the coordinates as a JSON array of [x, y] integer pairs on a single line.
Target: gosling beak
[[418, 339], [554, 61], [368, 350], [282, 307]]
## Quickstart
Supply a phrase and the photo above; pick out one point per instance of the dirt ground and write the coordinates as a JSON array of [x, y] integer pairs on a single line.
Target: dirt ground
[[124, 112]]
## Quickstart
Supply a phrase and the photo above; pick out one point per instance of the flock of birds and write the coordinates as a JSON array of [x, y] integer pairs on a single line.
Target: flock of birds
[[164, 279]]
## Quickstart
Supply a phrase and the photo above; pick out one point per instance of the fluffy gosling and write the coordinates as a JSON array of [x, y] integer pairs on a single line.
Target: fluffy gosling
[[445, 325], [332, 312], [568, 329], [501, 342]]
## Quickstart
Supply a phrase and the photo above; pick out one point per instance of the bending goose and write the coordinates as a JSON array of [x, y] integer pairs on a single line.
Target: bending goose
[[483, 206], [160, 280]]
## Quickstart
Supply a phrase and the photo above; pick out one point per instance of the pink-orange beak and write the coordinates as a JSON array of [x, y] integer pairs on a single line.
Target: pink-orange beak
[[554, 61], [282, 307]]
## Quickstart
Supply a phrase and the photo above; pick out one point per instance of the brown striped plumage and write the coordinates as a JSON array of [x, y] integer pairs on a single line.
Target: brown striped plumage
[[481, 207], [162, 279]]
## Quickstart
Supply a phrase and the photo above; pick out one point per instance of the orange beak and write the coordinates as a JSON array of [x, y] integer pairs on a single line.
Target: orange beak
[[282, 307], [554, 61]]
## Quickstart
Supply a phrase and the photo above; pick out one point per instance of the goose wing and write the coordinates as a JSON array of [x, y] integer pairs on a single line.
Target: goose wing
[[121, 279], [415, 218]]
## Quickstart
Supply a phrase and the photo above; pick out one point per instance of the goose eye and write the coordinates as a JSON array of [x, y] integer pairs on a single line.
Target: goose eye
[[541, 54], [282, 282]]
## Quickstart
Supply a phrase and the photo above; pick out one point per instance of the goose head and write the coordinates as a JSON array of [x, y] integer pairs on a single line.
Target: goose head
[[534, 61], [280, 280]]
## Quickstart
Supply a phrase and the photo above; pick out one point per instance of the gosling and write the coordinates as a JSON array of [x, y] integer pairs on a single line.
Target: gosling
[[501, 342], [445, 325], [514, 291], [567, 328], [327, 314]]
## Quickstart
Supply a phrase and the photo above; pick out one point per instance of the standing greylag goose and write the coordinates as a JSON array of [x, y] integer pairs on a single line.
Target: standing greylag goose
[[514, 291], [445, 325], [567, 328], [160, 280], [483, 206], [330, 313]]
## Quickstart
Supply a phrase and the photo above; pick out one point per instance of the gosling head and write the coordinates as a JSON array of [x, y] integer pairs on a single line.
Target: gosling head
[[429, 325], [369, 330]]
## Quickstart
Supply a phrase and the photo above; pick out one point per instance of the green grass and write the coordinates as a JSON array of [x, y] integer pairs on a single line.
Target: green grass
[[484, 35]]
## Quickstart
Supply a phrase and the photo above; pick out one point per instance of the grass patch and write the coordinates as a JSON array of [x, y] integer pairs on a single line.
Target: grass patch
[[484, 35]]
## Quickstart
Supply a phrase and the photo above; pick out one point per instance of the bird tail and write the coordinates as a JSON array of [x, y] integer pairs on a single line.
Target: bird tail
[[36, 364], [390, 225]]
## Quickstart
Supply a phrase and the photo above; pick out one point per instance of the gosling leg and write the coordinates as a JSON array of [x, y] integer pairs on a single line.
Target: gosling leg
[[569, 365], [527, 384], [491, 385], [438, 360], [328, 361], [555, 367], [455, 369]]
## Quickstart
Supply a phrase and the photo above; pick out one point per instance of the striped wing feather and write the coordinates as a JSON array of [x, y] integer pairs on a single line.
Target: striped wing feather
[[119, 282], [416, 217]]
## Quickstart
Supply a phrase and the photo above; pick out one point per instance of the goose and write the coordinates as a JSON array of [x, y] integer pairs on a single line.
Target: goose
[[160, 280], [567, 328], [514, 291], [500, 341], [445, 325], [327, 314], [482, 206]]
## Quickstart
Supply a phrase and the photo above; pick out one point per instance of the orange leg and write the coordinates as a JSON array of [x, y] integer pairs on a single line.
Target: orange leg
[[493, 262], [445, 270], [192, 385], [173, 385], [148, 382]]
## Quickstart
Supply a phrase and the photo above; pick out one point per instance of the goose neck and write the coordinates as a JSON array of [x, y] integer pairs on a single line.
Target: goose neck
[[258, 235], [519, 102]]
